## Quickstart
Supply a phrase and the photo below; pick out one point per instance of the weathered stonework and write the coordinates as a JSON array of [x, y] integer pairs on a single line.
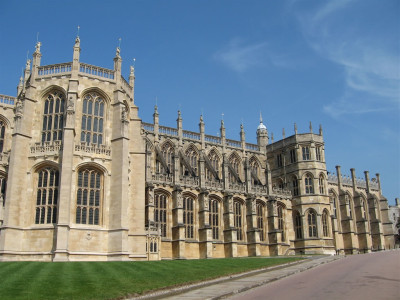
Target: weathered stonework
[[83, 178]]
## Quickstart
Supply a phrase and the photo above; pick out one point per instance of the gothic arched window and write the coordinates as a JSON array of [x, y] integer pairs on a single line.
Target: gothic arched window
[[3, 186], [363, 210], [2, 135], [235, 163], [281, 218], [298, 225], [214, 218], [308, 181], [214, 161], [325, 224], [188, 216], [191, 155], [47, 196], [160, 212], [295, 186], [255, 171], [321, 185], [92, 119], [260, 219], [53, 117], [312, 223], [89, 196], [238, 219], [167, 151]]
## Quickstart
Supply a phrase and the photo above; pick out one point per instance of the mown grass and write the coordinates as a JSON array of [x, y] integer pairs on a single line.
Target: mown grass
[[108, 280]]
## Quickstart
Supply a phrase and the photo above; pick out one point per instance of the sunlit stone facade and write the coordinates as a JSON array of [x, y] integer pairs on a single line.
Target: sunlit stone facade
[[83, 178]]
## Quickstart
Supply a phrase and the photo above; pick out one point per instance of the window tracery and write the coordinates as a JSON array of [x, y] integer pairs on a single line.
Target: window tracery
[[214, 161], [308, 180], [325, 224], [89, 196], [53, 117], [2, 135], [312, 223], [188, 216], [160, 212], [281, 225], [47, 196], [298, 225], [92, 119], [214, 218], [260, 220], [238, 219]]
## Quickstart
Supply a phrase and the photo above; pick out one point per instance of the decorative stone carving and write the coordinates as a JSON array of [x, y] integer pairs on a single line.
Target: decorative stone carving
[[124, 114]]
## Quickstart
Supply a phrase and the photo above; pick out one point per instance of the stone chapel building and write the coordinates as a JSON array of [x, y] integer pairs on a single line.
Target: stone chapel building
[[83, 178]]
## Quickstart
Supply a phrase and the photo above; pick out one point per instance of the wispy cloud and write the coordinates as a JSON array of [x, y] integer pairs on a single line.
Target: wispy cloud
[[240, 56], [370, 63]]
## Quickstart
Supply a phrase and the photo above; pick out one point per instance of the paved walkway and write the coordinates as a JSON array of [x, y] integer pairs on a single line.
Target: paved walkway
[[230, 285]]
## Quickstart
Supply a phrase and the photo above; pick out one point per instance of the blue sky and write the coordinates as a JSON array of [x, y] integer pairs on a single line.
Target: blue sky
[[334, 63]]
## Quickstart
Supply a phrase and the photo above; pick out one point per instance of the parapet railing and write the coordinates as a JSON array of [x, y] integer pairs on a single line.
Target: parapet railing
[[96, 71], [66, 68], [148, 126], [279, 191], [196, 136], [212, 139], [8, 100], [253, 147], [46, 147], [168, 131], [346, 180], [191, 135], [93, 148], [233, 143], [55, 69]]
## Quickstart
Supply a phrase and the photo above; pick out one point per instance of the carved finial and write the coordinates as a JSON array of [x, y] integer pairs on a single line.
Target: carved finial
[[295, 128], [241, 127], [38, 44], [283, 132], [156, 109], [201, 118], [28, 64], [311, 127], [118, 52], [320, 129], [179, 115], [132, 73]]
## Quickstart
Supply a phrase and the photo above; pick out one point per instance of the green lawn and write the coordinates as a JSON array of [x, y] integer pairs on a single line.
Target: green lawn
[[108, 280]]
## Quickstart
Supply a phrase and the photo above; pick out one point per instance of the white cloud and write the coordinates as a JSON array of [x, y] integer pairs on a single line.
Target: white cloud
[[370, 63], [241, 57]]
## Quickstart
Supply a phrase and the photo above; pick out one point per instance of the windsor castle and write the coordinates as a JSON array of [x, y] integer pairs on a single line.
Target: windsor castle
[[83, 178]]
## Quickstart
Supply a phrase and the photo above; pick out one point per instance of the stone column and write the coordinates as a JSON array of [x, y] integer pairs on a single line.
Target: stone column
[[178, 228], [253, 234], [274, 235], [230, 235], [205, 237], [67, 199]]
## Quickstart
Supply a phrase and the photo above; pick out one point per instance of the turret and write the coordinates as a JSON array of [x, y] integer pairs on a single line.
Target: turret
[[132, 81], [242, 136], [36, 60], [262, 134]]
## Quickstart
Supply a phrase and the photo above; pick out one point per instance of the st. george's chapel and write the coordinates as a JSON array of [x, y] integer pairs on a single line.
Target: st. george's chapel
[[83, 178]]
